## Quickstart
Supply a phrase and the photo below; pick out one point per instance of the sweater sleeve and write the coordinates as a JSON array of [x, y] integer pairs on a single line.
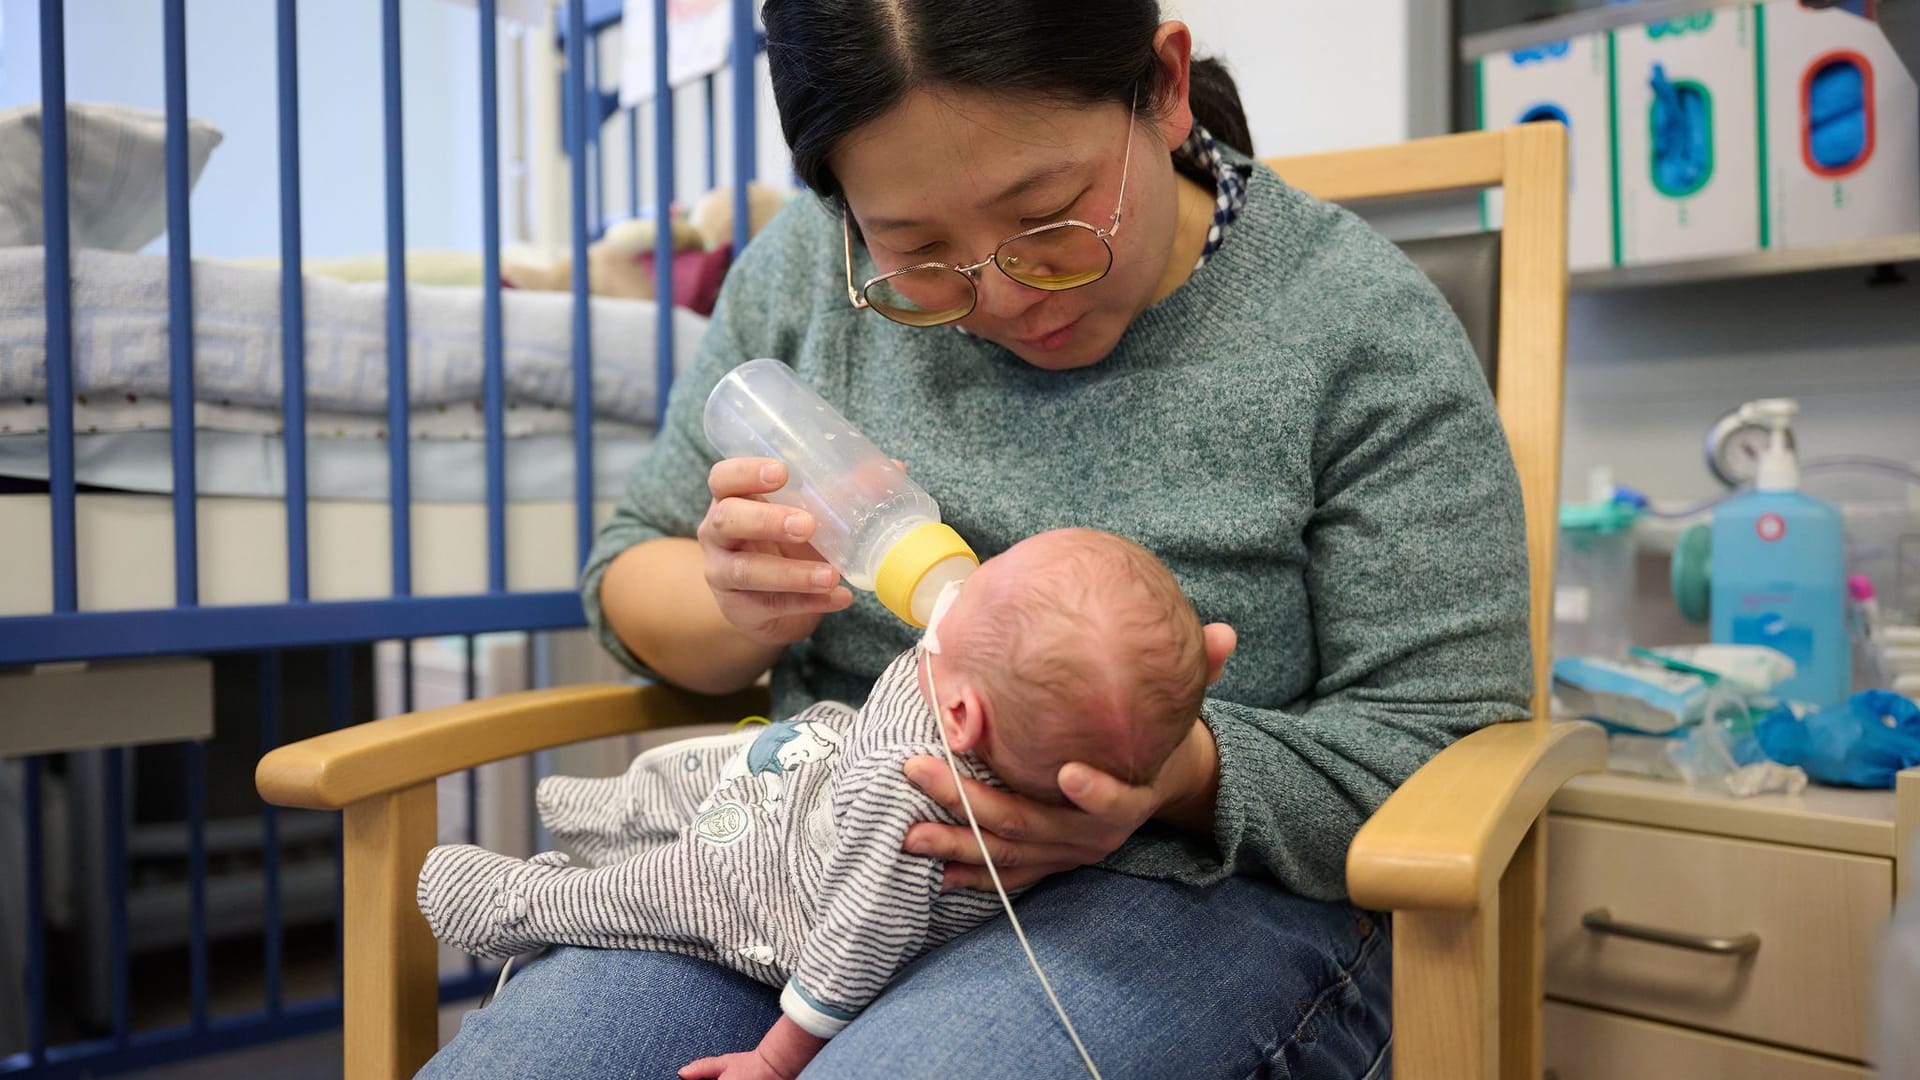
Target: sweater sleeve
[[666, 492], [1416, 575], [875, 905]]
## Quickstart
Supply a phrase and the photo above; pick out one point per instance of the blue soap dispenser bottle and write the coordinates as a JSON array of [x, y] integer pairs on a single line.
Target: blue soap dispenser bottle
[[1779, 570]]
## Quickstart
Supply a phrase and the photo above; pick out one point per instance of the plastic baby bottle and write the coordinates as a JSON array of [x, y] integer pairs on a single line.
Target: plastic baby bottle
[[879, 528]]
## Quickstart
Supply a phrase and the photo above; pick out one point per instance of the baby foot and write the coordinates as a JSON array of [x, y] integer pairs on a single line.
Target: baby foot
[[476, 900], [586, 814]]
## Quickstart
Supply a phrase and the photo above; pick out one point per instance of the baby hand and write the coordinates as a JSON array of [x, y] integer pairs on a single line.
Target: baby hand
[[746, 1065], [781, 1055]]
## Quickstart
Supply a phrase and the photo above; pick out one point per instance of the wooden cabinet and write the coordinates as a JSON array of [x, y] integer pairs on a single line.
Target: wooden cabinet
[[1689, 935], [1590, 1044]]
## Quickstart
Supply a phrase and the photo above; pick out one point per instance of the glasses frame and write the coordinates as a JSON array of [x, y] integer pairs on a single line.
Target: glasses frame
[[858, 296]]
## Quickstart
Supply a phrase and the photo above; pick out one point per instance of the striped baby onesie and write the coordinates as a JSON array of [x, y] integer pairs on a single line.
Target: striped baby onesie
[[775, 851]]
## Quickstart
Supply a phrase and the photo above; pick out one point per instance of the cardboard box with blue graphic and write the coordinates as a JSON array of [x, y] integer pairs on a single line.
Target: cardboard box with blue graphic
[[1686, 110], [1563, 80], [1842, 125]]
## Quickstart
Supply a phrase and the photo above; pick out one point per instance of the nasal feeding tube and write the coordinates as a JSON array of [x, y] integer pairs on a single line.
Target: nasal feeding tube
[[929, 647], [882, 531]]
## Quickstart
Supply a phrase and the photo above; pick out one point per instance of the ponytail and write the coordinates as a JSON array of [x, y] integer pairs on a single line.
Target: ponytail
[[1215, 101]]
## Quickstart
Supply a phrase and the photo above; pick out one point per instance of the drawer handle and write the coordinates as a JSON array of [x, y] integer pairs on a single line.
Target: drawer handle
[[1601, 921]]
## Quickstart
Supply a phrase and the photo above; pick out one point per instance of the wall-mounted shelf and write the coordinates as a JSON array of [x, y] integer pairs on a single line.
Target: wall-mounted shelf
[[1612, 17], [1878, 251]]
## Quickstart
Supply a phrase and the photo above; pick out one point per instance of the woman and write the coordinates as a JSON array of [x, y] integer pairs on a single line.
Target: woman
[[1247, 381]]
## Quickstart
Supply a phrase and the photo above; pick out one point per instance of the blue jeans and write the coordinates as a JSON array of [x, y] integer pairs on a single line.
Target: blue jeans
[[1238, 980]]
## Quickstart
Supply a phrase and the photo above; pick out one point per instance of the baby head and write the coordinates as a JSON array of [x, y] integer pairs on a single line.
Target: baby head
[[1073, 645]]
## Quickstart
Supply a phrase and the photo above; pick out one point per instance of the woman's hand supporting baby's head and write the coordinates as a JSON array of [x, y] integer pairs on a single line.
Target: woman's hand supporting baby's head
[[1074, 646], [990, 703]]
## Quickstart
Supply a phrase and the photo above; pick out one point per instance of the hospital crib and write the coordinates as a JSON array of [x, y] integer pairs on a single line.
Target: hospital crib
[[285, 592]]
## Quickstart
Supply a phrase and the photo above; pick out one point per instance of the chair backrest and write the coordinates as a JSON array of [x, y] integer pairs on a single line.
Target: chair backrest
[[1466, 270], [1509, 289]]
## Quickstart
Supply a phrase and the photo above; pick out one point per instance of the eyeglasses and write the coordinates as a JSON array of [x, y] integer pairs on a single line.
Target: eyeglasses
[[1057, 257]]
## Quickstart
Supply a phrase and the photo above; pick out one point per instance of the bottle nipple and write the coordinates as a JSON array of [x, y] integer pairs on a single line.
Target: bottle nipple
[[918, 566]]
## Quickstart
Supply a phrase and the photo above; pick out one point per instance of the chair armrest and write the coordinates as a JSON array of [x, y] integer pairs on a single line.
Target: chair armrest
[[1441, 842], [331, 771]]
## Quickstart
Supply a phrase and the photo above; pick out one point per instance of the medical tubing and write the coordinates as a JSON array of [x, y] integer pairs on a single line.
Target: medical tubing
[[1860, 461], [1690, 511], [1841, 463], [974, 822]]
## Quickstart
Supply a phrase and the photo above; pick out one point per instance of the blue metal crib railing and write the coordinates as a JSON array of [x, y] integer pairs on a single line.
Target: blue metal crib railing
[[334, 627]]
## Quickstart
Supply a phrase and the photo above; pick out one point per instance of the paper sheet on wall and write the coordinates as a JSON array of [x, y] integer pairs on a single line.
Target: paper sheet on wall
[[699, 33], [523, 11]]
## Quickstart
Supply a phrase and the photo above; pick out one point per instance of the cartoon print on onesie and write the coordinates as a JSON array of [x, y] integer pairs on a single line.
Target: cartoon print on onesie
[[782, 747]]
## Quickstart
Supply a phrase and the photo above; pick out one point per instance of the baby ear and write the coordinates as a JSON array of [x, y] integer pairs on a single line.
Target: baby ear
[[965, 721]]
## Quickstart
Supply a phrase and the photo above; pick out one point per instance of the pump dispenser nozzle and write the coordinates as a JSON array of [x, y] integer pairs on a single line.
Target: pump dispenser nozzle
[[1779, 469]]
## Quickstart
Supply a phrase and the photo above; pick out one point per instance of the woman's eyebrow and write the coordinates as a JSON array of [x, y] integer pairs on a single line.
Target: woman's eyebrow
[[1030, 181], [1034, 179]]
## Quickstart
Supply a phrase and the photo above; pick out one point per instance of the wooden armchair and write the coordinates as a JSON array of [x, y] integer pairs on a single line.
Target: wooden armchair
[[1457, 854]]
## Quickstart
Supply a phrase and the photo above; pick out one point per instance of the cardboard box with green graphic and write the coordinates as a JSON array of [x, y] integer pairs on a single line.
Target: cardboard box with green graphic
[[1566, 81], [1687, 176]]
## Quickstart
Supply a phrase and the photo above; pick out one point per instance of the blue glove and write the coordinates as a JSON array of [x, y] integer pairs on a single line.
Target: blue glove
[[1682, 135], [1837, 115], [1861, 743]]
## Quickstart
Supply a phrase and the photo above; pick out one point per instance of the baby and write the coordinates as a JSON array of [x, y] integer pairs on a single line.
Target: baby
[[777, 851]]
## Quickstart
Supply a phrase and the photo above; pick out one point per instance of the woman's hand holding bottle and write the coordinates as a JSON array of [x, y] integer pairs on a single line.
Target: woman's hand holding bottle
[[768, 580]]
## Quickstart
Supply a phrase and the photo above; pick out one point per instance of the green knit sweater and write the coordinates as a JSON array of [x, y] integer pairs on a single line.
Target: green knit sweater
[[1300, 432]]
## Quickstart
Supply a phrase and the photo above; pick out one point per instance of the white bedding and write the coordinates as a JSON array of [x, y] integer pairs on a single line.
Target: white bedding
[[121, 339]]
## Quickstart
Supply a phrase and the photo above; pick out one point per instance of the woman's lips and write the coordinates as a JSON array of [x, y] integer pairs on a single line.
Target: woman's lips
[[1052, 339]]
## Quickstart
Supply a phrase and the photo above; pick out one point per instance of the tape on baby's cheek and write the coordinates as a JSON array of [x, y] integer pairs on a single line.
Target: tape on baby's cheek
[[931, 639]]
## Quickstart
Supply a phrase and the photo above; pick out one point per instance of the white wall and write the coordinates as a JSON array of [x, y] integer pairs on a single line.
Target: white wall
[[1329, 74], [1315, 75], [772, 164], [114, 54], [1649, 370]]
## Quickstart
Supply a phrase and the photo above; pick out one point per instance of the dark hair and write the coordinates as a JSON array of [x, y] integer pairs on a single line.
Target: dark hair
[[840, 64]]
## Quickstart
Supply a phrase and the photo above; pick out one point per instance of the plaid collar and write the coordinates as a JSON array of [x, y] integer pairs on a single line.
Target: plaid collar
[[1202, 153]]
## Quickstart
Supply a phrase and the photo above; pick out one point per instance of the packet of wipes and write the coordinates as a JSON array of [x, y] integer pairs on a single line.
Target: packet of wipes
[[1635, 694]]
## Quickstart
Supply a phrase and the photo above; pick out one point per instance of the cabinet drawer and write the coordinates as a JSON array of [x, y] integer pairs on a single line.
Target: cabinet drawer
[[1817, 917], [1586, 1044]]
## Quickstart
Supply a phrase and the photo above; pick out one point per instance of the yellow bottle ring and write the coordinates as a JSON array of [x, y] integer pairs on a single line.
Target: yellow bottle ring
[[910, 560]]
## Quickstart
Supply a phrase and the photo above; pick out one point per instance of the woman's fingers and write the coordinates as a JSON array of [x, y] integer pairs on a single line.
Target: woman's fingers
[[789, 603], [755, 571], [737, 521], [1104, 795], [940, 841], [1027, 839], [734, 477], [1010, 816], [756, 556]]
